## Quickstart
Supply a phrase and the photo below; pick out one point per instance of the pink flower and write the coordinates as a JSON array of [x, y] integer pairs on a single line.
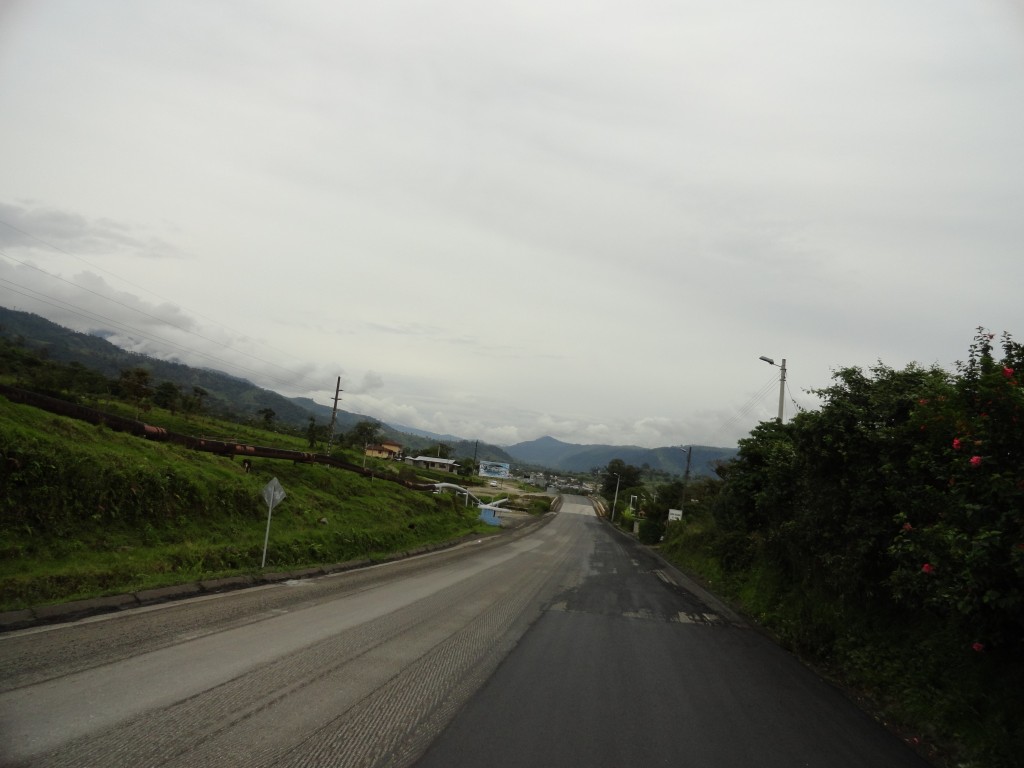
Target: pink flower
[[908, 527], [928, 568], [956, 444], [1007, 372], [975, 461], [978, 647]]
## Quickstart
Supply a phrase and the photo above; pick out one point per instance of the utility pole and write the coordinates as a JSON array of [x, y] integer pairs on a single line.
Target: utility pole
[[782, 388], [334, 414], [686, 476]]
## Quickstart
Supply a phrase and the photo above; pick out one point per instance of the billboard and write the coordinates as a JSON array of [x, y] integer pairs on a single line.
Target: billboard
[[494, 469]]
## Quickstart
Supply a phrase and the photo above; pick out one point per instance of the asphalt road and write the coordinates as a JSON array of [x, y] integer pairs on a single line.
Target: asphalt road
[[563, 645]]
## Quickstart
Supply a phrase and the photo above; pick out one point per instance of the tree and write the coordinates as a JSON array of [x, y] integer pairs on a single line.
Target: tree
[[666, 496], [311, 433], [628, 477], [364, 433], [194, 403], [168, 395], [78, 378], [267, 414], [134, 386]]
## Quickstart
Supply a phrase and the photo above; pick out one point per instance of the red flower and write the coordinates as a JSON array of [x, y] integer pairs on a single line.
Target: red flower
[[928, 568], [956, 444], [975, 461], [1007, 372], [978, 647], [908, 527]]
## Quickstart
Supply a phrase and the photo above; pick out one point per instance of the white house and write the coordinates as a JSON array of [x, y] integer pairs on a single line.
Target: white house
[[433, 462]]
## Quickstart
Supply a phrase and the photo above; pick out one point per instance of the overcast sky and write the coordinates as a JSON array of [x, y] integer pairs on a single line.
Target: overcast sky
[[511, 219]]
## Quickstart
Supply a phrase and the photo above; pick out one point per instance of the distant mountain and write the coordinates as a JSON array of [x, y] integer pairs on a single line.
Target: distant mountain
[[481, 451], [545, 452], [226, 395], [433, 436], [235, 397], [461, 448], [570, 457]]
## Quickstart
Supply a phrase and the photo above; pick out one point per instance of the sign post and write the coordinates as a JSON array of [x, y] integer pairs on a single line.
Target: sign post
[[273, 494]]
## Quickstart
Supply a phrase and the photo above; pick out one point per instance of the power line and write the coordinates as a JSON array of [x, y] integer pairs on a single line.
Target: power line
[[747, 408], [797, 405]]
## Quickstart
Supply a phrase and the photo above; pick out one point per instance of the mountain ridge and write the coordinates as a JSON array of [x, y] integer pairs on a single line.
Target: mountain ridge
[[573, 457], [233, 395]]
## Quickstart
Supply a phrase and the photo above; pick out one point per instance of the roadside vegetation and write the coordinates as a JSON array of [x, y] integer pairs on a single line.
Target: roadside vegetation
[[88, 511], [881, 538]]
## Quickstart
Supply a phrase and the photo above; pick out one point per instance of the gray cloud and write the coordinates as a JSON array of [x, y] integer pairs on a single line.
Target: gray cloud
[[565, 218], [42, 228]]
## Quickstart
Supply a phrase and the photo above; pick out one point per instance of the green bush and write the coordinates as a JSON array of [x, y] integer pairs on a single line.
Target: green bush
[[886, 525], [651, 531]]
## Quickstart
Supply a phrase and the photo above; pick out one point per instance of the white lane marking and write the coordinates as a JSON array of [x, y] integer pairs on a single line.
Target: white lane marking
[[665, 577]]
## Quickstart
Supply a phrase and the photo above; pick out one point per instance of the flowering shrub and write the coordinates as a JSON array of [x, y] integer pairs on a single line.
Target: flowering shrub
[[905, 488], [973, 525]]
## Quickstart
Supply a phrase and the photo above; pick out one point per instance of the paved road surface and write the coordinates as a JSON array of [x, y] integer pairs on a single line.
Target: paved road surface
[[566, 645], [626, 667]]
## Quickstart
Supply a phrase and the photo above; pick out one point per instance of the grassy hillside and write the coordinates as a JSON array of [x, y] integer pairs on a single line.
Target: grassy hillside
[[87, 511]]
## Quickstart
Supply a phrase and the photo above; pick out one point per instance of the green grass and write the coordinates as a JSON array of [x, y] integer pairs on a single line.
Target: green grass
[[86, 511]]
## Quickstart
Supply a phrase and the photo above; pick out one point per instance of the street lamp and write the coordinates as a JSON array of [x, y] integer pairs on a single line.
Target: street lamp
[[782, 381], [616, 499]]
